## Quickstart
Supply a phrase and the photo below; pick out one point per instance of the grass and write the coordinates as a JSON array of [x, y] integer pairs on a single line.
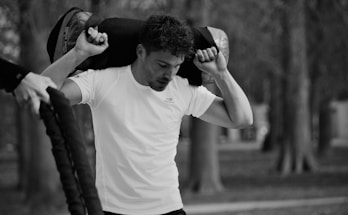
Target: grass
[[247, 175]]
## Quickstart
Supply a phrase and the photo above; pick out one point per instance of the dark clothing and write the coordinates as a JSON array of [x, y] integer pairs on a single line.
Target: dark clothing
[[178, 212], [10, 75]]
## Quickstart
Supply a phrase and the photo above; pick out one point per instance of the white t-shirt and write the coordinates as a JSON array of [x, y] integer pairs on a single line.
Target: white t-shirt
[[136, 135]]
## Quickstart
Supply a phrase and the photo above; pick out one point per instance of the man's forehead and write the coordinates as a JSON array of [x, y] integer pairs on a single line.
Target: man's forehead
[[167, 57]]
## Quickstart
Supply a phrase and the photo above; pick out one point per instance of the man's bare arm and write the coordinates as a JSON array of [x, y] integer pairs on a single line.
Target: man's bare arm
[[60, 69], [233, 109]]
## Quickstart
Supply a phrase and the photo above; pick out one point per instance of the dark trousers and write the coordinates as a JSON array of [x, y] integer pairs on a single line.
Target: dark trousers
[[178, 212]]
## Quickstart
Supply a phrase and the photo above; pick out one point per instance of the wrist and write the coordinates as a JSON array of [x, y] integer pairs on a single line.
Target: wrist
[[28, 78], [79, 54], [221, 75]]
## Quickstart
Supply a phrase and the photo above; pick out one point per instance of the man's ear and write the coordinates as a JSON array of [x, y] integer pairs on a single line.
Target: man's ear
[[141, 52]]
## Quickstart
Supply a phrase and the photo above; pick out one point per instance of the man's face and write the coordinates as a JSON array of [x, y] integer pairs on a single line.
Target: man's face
[[159, 67]]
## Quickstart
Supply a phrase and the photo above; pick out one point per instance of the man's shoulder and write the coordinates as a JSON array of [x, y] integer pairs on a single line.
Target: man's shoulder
[[180, 82], [101, 77], [107, 73]]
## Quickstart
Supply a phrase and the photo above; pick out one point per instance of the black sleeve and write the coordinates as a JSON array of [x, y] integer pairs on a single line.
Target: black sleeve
[[10, 75]]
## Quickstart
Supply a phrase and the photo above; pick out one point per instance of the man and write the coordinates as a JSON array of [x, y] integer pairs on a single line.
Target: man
[[29, 88], [137, 112]]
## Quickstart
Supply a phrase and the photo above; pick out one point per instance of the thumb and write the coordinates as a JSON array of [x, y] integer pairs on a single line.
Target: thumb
[[42, 93], [50, 83], [196, 61], [44, 96], [35, 105]]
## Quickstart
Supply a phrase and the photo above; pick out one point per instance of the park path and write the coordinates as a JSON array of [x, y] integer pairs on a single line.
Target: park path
[[259, 205], [215, 208]]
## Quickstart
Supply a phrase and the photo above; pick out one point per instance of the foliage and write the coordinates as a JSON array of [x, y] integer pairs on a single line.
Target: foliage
[[9, 38]]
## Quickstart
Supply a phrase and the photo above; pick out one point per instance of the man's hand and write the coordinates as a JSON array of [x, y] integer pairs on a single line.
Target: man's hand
[[32, 90], [95, 44], [210, 61]]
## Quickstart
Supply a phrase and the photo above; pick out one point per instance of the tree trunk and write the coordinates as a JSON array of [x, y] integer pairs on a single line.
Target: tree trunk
[[204, 173], [296, 152], [42, 177], [23, 148], [325, 126], [275, 114]]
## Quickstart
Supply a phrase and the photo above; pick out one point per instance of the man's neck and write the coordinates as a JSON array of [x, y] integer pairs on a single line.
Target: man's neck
[[137, 72]]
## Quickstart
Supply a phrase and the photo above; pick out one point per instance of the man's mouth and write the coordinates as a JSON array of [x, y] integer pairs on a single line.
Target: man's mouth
[[163, 82]]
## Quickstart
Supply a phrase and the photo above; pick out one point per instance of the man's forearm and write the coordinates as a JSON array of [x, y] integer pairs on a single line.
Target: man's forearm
[[236, 102], [60, 69]]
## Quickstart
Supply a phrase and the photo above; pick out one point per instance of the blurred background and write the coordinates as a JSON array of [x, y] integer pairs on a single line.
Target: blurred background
[[291, 59]]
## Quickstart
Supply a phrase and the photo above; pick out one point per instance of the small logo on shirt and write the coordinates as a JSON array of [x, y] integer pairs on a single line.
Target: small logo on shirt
[[169, 100]]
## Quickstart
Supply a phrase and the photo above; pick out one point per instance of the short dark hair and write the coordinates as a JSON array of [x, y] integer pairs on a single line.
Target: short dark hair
[[162, 32]]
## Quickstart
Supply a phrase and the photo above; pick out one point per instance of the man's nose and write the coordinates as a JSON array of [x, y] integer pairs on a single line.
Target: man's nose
[[170, 72]]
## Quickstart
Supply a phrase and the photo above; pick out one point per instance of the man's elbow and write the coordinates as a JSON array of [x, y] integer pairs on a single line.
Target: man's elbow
[[244, 121], [249, 120], [246, 118]]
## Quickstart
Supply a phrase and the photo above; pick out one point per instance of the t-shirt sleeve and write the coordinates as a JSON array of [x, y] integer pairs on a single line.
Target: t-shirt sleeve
[[86, 81], [200, 101]]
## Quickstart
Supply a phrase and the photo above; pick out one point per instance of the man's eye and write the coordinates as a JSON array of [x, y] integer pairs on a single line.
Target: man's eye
[[163, 65]]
